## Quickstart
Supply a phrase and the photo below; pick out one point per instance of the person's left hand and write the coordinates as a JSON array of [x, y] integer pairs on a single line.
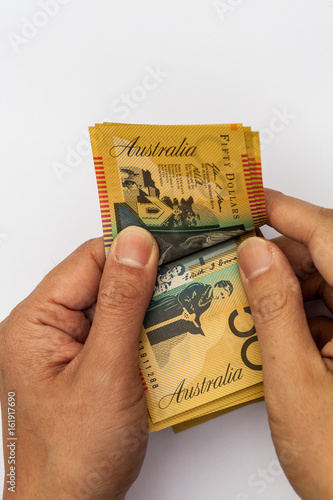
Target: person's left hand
[[81, 418]]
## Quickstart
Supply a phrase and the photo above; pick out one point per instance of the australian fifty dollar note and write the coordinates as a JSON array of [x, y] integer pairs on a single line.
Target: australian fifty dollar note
[[198, 350], [193, 187]]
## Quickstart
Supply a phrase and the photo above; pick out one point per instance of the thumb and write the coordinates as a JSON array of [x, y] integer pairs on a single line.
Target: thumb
[[289, 354], [125, 290]]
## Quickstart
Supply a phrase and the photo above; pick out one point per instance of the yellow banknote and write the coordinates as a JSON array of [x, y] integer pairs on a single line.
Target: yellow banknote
[[212, 408], [198, 189], [191, 186], [198, 342]]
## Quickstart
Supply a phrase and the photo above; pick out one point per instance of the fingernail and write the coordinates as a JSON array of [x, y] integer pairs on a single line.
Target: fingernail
[[254, 257], [133, 246]]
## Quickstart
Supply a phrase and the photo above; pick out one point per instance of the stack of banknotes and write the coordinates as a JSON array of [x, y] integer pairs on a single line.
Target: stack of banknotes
[[198, 189]]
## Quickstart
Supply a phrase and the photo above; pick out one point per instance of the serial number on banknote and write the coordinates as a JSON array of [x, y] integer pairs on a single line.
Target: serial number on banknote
[[147, 366]]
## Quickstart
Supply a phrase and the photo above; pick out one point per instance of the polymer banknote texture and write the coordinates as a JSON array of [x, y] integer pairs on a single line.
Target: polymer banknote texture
[[198, 189]]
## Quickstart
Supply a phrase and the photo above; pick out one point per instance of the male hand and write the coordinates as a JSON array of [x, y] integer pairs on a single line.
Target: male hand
[[81, 418], [297, 355]]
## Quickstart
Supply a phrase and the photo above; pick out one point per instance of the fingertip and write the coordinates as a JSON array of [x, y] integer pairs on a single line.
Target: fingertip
[[254, 257], [274, 295], [272, 201], [134, 247], [271, 191], [270, 194]]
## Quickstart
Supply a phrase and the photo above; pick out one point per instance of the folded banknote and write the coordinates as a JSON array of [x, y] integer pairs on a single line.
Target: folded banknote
[[198, 343], [191, 186], [198, 189]]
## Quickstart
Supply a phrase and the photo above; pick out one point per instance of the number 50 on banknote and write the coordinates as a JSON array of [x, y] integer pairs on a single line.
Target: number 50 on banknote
[[199, 190]]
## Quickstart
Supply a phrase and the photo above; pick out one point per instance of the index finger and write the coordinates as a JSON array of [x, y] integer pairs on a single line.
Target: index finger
[[306, 223]]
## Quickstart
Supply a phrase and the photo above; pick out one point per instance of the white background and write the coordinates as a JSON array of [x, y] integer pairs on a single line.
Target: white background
[[222, 62]]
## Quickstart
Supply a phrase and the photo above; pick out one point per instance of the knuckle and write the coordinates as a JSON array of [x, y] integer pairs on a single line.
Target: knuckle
[[326, 213], [270, 306], [322, 234], [3, 337], [11, 335], [320, 246], [118, 295], [13, 323]]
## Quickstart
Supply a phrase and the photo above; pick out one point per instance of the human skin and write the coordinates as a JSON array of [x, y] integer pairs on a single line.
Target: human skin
[[81, 416], [296, 354]]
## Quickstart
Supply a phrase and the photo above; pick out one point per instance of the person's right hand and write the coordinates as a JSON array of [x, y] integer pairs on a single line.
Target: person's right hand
[[297, 355]]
